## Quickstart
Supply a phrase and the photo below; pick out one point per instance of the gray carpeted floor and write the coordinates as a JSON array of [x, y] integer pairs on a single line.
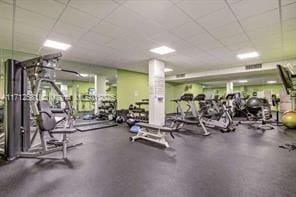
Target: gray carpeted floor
[[244, 163]]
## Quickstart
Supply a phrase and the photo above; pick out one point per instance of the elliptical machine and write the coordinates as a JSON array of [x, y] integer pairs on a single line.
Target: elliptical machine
[[214, 114]]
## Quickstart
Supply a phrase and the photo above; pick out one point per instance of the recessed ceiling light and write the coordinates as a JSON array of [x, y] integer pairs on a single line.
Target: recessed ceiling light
[[168, 70], [84, 75], [162, 50], [243, 81], [247, 55], [56, 45], [271, 82]]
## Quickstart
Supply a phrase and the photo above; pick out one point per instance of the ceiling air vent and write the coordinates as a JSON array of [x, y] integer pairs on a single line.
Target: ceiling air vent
[[254, 66], [180, 75]]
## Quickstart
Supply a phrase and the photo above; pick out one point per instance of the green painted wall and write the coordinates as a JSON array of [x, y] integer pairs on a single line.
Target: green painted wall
[[131, 87], [79, 89], [249, 89], [215, 91], [274, 88], [176, 90], [170, 95]]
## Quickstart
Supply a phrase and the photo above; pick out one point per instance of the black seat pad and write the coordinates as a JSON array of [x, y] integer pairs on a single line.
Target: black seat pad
[[47, 120]]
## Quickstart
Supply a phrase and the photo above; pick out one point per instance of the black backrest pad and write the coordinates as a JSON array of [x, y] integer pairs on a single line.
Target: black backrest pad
[[47, 120]]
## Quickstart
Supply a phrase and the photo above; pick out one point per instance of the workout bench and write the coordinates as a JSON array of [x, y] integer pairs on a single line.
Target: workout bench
[[153, 133]]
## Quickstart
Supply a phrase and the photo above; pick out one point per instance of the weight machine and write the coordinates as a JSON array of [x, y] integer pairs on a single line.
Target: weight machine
[[25, 110]]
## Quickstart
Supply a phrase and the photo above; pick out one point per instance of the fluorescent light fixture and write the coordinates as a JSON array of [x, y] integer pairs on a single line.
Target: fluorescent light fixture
[[84, 75], [243, 81], [271, 82], [168, 70], [56, 45], [247, 55], [162, 50]]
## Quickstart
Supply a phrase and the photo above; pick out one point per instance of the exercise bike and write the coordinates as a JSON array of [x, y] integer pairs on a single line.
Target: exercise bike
[[214, 114]]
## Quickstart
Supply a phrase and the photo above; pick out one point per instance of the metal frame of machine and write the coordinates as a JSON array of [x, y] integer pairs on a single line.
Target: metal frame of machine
[[182, 118], [20, 104]]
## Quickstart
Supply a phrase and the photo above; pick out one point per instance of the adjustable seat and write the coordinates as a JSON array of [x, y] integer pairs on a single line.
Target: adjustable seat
[[46, 122]]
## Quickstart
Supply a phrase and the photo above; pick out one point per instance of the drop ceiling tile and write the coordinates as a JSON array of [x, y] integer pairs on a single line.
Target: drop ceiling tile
[[108, 29], [6, 35], [96, 8], [286, 2], [96, 37], [62, 38], [122, 44], [233, 1], [290, 35], [123, 17], [262, 34], [147, 8], [78, 18], [61, 1], [289, 11], [244, 9], [228, 30], [86, 45], [171, 17], [261, 21], [187, 30], [221, 52], [240, 38], [270, 38], [176, 1], [201, 40], [197, 53], [48, 8], [119, 1], [209, 45], [217, 19], [47, 50], [145, 29], [198, 38], [71, 31], [5, 42], [5, 11], [163, 37], [30, 30], [289, 24], [93, 48], [241, 47], [197, 9], [33, 19], [5, 26], [27, 43]]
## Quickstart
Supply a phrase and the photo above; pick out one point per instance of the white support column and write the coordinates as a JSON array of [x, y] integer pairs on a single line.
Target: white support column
[[100, 90], [156, 92], [229, 87]]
